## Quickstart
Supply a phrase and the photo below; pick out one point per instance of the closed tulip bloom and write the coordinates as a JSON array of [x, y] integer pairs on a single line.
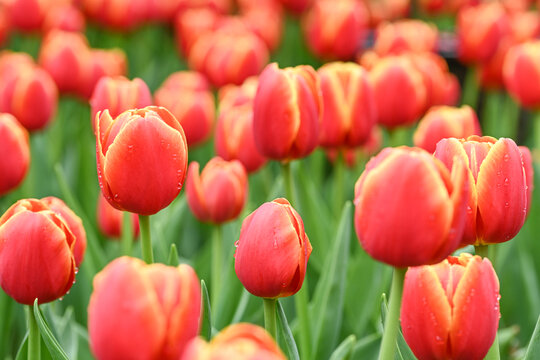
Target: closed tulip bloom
[[400, 91], [451, 310], [65, 17], [111, 62], [109, 219], [187, 96], [266, 21], [335, 30], [219, 193], [273, 250], [410, 210], [521, 73], [36, 253], [394, 38], [444, 122], [287, 112], [5, 26], [191, 24], [11, 61], [122, 15], [242, 341], [15, 150], [141, 159], [348, 105], [497, 205], [386, 10], [74, 224], [140, 311], [27, 15], [238, 95]]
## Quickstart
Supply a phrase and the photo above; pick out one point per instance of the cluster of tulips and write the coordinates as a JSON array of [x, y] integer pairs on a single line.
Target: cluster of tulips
[[435, 211]]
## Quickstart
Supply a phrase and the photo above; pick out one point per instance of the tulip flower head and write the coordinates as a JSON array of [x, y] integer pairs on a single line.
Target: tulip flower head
[[394, 38], [451, 310], [141, 159], [522, 74], [15, 150], [273, 250]]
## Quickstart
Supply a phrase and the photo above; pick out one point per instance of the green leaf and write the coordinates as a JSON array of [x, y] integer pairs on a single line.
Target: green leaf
[[403, 352], [329, 294], [533, 351], [173, 256], [345, 349], [292, 349], [241, 308], [206, 328], [52, 344], [22, 353]]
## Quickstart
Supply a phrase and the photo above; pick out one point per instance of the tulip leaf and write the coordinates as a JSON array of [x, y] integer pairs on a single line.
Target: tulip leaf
[[329, 297], [52, 344], [292, 349], [345, 349], [206, 322], [533, 350], [22, 353], [241, 308], [367, 347], [403, 352], [173, 256]]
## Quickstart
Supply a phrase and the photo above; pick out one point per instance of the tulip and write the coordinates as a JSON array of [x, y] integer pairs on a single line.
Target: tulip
[[187, 95], [140, 311], [118, 94], [65, 17], [218, 194], [400, 92], [497, 204], [287, 112], [121, 15], [5, 26], [27, 15], [73, 222], [395, 38], [273, 250], [141, 159], [396, 222], [36, 253], [353, 156], [529, 173], [266, 21], [242, 341], [451, 310], [11, 62], [15, 150], [234, 95], [297, 6], [385, 10], [335, 30], [109, 220], [444, 122], [348, 105], [112, 63], [191, 24], [522, 74]]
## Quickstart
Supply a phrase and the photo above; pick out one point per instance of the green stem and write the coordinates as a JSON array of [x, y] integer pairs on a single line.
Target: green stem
[[289, 182], [301, 303], [34, 338], [470, 88], [481, 250], [339, 182], [270, 316], [391, 325], [493, 122], [127, 233], [536, 129], [217, 264], [146, 240], [511, 117], [493, 353]]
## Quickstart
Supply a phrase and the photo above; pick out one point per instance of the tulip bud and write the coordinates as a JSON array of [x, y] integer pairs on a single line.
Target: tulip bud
[[110, 63], [191, 24], [522, 74], [444, 122], [451, 310], [65, 17], [121, 15], [273, 250], [385, 10], [145, 169], [218, 194], [395, 38], [109, 220], [266, 21], [241, 341], [15, 150], [140, 311], [187, 96], [348, 105], [27, 15], [5, 26], [36, 253], [287, 112], [335, 30], [410, 210], [497, 205]]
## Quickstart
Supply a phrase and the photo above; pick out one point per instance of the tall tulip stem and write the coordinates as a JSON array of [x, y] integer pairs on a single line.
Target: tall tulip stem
[[34, 338], [391, 325], [146, 240], [339, 179], [481, 250], [270, 316], [289, 183], [470, 88], [217, 267], [127, 233]]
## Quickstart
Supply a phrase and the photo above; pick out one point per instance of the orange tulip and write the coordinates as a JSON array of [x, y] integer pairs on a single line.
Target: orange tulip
[[122, 15], [191, 24], [394, 38], [395, 219], [65, 17], [112, 63], [385, 10], [451, 310], [15, 150], [140, 311], [522, 73], [109, 220]]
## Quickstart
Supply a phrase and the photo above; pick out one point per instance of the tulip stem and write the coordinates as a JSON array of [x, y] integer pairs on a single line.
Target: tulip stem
[[339, 179], [34, 338], [391, 325], [146, 240], [127, 234], [289, 183], [301, 303], [536, 129], [493, 353], [217, 267], [270, 316], [470, 88], [481, 250]]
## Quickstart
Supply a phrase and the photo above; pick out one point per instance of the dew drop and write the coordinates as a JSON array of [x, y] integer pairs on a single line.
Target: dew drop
[[236, 243], [506, 157]]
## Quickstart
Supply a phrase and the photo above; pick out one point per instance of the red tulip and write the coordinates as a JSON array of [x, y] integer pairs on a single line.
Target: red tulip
[[187, 95], [266, 21], [497, 205], [444, 122], [141, 159], [15, 150], [297, 6], [112, 63], [121, 15], [219, 193], [395, 38], [410, 210], [109, 220], [140, 311], [522, 73], [191, 24], [27, 15], [11, 62], [273, 251], [451, 310], [36, 253], [241, 341], [529, 173], [5, 26], [65, 17], [349, 112], [238, 95], [385, 10], [287, 112]]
